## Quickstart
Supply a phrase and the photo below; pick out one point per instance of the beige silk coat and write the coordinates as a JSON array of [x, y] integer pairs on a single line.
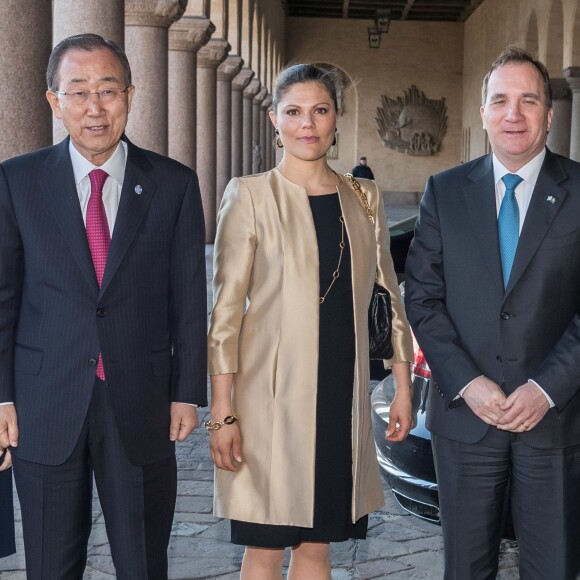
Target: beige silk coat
[[264, 329]]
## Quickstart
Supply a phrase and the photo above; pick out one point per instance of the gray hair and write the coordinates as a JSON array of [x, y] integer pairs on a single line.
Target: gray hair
[[88, 43]]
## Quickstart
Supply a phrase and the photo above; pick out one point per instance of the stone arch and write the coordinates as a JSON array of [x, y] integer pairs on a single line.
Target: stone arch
[[235, 26], [555, 44], [263, 50], [219, 17], [576, 40], [532, 43], [256, 40], [248, 8]]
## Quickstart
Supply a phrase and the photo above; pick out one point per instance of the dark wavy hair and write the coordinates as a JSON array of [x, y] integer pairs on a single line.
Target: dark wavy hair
[[88, 43], [515, 55]]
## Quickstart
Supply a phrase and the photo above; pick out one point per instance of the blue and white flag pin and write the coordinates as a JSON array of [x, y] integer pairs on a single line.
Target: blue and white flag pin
[[139, 190], [551, 199]]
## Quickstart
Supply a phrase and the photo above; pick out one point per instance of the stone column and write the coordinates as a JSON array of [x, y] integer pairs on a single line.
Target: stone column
[[559, 136], [239, 83], [572, 75], [264, 142], [226, 71], [249, 93], [25, 42], [257, 147], [208, 59], [186, 37], [103, 17], [146, 39]]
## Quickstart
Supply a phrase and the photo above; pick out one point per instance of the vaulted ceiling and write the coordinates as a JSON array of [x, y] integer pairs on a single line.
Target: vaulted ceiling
[[425, 10]]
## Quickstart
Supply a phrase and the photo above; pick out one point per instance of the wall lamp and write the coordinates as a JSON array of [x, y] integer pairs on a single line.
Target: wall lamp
[[382, 21]]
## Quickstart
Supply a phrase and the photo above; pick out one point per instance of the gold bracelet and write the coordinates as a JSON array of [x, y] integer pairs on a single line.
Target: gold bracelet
[[215, 425]]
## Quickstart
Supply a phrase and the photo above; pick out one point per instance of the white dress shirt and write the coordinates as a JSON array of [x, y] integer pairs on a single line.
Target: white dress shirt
[[529, 174], [114, 166]]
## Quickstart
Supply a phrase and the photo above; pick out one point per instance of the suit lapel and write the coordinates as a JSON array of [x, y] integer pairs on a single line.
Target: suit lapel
[[138, 190], [540, 215], [480, 200], [60, 190]]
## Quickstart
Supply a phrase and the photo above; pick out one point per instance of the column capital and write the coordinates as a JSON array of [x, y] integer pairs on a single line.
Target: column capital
[[260, 95], [266, 102], [229, 68], [572, 75], [213, 53], [242, 79], [190, 33], [251, 90], [157, 13], [560, 90]]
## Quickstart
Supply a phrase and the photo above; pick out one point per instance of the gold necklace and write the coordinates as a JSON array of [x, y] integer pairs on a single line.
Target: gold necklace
[[336, 273]]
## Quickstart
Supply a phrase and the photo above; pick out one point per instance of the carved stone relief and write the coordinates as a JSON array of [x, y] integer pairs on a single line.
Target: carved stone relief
[[412, 124]]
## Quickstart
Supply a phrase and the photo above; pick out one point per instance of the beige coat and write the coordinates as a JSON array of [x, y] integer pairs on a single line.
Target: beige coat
[[264, 328]]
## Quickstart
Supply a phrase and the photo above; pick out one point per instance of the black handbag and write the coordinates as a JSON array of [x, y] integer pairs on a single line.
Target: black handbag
[[380, 316], [380, 324]]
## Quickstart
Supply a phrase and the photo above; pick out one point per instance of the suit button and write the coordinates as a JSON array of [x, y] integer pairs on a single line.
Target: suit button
[[101, 312], [498, 358], [93, 362], [506, 315]]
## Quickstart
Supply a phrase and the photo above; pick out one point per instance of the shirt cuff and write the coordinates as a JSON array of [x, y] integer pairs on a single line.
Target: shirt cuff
[[552, 404], [190, 404], [9, 403], [460, 395]]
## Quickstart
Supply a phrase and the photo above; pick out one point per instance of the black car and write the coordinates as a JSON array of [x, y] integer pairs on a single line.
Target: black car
[[401, 235], [408, 466]]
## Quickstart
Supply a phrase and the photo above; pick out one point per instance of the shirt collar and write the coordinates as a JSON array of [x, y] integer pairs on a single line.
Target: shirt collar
[[114, 166], [529, 172]]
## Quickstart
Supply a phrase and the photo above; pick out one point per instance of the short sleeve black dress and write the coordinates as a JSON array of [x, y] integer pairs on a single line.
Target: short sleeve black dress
[[333, 469]]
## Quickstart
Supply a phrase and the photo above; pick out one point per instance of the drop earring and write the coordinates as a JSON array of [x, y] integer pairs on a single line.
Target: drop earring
[[278, 142]]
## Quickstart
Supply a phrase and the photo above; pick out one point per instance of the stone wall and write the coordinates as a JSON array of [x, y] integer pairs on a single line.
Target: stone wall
[[428, 55]]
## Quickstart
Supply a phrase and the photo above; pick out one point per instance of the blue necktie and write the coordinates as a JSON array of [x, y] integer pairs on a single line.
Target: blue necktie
[[508, 223]]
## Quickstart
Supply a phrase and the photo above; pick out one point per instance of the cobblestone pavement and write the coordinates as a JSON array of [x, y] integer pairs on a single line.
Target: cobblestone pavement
[[399, 546]]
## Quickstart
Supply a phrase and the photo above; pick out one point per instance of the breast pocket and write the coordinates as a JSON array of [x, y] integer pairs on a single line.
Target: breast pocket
[[560, 240], [27, 360]]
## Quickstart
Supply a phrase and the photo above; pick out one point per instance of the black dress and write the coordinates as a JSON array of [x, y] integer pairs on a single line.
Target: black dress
[[333, 468]]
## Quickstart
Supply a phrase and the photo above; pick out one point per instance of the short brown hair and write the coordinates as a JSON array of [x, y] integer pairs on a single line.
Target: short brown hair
[[515, 55]]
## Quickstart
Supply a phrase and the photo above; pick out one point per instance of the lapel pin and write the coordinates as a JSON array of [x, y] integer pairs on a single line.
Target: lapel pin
[[139, 190], [551, 199]]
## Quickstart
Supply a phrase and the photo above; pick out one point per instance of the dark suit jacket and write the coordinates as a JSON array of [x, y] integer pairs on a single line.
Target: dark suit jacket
[[148, 318], [7, 546], [465, 322]]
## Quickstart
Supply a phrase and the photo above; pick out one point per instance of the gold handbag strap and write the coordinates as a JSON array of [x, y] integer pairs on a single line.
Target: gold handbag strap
[[362, 196], [364, 200]]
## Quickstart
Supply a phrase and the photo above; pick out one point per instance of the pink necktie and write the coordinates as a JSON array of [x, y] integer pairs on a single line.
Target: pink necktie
[[98, 235]]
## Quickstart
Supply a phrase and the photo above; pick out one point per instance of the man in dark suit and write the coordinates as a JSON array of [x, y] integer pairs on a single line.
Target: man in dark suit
[[493, 296], [7, 540], [102, 324]]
